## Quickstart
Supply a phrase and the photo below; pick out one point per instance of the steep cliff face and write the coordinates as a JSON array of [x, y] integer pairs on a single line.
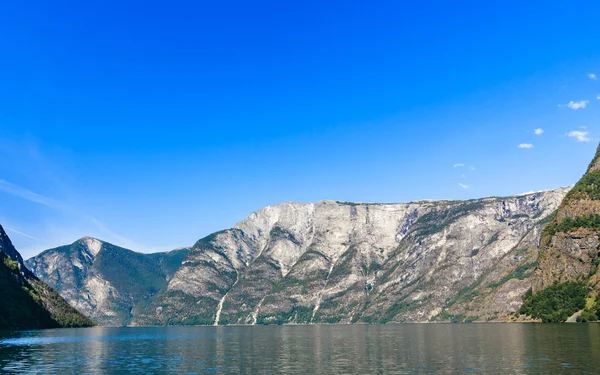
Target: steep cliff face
[[26, 302], [570, 244], [337, 262], [104, 281]]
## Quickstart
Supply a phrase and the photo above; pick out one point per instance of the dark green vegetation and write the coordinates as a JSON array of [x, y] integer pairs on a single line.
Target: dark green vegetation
[[434, 221], [21, 305], [445, 316], [279, 233], [522, 272], [175, 307], [125, 268], [591, 313], [521, 251], [60, 310], [567, 225], [555, 303], [298, 314], [588, 187], [28, 303]]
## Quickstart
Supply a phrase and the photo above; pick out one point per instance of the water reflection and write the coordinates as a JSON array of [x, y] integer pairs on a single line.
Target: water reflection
[[353, 349]]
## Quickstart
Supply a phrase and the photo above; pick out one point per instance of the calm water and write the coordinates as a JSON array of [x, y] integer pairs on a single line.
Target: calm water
[[355, 349]]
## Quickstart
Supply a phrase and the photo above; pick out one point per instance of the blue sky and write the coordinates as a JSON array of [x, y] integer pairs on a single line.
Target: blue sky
[[151, 124]]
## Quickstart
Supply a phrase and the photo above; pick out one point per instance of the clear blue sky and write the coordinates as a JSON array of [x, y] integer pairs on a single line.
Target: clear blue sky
[[152, 124]]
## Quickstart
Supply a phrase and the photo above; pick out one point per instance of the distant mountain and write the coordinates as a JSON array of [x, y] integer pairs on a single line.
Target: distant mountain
[[106, 282], [567, 279], [25, 301]]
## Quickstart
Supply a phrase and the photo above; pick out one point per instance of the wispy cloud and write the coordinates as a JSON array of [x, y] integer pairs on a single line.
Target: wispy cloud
[[538, 131], [21, 233], [579, 135], [458, 165], [31, 196], [124, 241], [592, 76], [598, 96], [463, 186], [575, 105], [525, 145]]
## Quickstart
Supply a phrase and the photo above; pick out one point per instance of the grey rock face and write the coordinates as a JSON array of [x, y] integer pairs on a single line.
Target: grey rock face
[[568, 257], [336, 262], [339, 262]]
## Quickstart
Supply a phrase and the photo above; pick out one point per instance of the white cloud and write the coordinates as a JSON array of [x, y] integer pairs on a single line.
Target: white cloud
[[598, 97], [533, 192], [538, 131], [458, 165], [21, 233], [20, 192], [29, 195], [472, 168], [576, 105], [592, 76], [525, 145], [579, 135], [463, 186], [526, 193]]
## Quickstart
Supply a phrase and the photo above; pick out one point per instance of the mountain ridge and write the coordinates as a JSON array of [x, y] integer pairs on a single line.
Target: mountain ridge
[[333, 261]]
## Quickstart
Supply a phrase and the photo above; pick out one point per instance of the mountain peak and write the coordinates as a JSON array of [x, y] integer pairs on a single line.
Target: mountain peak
[[7, 247], [94, 245]]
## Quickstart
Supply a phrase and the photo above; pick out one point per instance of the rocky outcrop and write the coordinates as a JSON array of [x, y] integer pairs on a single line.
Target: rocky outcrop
[[26, 302], [570, 244]]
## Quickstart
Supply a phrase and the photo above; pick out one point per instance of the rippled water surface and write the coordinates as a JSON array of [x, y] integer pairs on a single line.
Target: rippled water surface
[[354, 349]]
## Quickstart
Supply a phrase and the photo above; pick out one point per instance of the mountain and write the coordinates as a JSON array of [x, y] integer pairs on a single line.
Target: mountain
[[340, 262], [27, 302], [333, 262], [104, 281], [324, 262], [567, 280]]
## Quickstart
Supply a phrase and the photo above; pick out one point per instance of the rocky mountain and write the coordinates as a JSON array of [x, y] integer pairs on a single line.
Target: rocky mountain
[[339, 262], [106, 282], [567, 280], [26, 302], [325, 262]]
